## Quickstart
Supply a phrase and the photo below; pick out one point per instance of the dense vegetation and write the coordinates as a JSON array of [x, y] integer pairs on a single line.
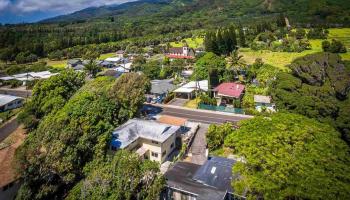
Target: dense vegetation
[[73, 132], [288, 156], [317, 87], [106, 28]]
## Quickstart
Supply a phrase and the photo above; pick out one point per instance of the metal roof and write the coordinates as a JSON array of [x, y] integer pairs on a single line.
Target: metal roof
[[162, 86], [137, 128], [262, 99], [216, 172], [5, 99], [210, 181], [180, 177], [192, 86]]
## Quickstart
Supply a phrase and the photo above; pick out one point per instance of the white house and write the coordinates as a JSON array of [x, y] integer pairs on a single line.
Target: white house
[[188, 90], [150, 139], [264, 102], [30, 76], [8, 102]]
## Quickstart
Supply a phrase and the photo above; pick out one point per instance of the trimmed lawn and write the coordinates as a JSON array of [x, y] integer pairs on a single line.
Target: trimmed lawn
[[193, 43], [106, 55], [281, 59]]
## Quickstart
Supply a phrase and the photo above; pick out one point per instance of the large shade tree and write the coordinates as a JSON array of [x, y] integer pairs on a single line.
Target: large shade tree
[[53, 157], [317, 87], [289, 156]]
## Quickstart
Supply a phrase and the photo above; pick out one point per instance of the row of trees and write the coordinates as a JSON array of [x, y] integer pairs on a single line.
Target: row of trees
[[224, 41], [66, 150]]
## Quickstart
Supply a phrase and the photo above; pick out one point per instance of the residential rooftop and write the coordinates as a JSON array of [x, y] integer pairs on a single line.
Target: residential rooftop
[[262, 99], [138, 128], [193, 86], [162, 86], [210, 181], [5, 99], [230, 89]]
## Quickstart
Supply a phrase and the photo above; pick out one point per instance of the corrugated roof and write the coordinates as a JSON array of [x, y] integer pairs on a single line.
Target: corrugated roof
[[137, 128], [5, 99], [230, 89], [162, 86], [216, 172], [262, 99], [180, 177], [192, 86]]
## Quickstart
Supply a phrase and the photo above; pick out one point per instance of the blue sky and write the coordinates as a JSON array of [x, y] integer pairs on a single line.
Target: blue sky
[[18, 11]]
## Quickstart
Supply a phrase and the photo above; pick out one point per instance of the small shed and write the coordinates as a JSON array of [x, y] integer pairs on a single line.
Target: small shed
[[264, 103]]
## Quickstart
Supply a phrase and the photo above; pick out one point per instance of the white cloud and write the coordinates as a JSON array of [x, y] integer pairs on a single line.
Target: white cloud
[[63, 6], [4, 4]]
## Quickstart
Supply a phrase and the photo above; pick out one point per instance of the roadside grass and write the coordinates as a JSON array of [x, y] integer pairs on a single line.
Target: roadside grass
[[193, 43], [222, 152], [281, 59], [193, 103], [5, 116]]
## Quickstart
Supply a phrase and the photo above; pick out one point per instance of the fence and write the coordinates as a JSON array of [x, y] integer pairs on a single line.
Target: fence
[[221, 109]]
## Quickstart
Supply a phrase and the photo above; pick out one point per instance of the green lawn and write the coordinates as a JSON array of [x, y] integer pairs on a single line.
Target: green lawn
[[281, 59], [193, 43], [59, 64], [106, 55]]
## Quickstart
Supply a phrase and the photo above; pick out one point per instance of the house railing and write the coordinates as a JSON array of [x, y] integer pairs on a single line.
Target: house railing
[[221, 108]]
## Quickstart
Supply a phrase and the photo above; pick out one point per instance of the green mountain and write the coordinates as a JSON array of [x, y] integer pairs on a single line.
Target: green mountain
[[216, 11]]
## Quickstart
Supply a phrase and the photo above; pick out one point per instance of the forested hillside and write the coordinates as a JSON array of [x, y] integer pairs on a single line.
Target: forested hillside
[[157, 21]]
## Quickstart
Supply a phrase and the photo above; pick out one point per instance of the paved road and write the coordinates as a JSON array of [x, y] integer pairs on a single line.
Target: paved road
[[199, 146], [8, 128], [201, 116]]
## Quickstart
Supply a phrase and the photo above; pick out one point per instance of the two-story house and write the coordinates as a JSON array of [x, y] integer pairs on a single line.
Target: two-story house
[[150, 139]]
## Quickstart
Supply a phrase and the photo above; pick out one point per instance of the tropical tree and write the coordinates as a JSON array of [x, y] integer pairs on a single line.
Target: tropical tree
[[288, 156]]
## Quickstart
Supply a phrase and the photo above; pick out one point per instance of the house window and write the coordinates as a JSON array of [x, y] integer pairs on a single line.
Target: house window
[[172, 145], [164, 153], [154, 142], [154, 154]]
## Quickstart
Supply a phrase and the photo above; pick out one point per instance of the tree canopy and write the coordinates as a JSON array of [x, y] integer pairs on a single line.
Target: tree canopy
[[50, 95], [317, 87], [53, 157], [123, 177], [209, 67], [289, 156]]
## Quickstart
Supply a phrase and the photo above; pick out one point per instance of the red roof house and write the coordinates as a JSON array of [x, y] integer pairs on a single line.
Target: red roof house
[[233, 90], [181, 53]]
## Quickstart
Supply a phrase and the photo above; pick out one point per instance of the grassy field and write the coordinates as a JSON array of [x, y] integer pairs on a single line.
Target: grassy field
[[59, 64], [106, 55], [193, 43], [281, 59]]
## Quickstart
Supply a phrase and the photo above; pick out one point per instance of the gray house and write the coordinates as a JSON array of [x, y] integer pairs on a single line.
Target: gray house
[[160, 89], [209, 181]]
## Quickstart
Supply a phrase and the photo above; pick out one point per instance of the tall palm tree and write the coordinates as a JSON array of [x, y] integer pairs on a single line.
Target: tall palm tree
[[235, 63]]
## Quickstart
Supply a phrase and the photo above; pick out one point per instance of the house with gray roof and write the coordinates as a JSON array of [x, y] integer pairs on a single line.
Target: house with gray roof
[[150, 139], [8, 102], [160, 89], [209, 181]]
